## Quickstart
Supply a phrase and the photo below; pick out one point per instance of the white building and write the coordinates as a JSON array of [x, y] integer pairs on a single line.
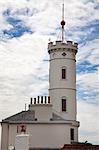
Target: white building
[[50, 120]]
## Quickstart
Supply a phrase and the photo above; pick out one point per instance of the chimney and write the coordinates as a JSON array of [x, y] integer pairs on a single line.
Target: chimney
[[41, 99], [38, 99], [45, 100], [48, 99], [34, 100]]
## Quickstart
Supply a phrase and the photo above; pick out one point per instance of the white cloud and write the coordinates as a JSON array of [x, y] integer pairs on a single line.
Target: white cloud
[[88, 81], [20, 68], [89, 52], [27, 51], [49, 16], [88, 115]]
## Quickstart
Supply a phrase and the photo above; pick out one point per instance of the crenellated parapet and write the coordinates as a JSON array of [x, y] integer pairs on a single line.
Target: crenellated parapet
[[60, 46]]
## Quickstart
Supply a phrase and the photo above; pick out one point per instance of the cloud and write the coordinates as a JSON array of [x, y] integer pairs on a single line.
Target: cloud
[[88, 115], [86, 67], [32, 11], [18, 28], [89, 52], [23, 71], [87, 86]]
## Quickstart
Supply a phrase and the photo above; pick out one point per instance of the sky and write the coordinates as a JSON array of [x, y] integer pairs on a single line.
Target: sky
[[25, 29]]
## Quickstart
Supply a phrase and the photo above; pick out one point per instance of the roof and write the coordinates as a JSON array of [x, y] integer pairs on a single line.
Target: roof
[[21, 116], [28, 116]]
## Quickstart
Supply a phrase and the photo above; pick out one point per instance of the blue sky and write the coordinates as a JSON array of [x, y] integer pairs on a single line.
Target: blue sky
[[25, 29]]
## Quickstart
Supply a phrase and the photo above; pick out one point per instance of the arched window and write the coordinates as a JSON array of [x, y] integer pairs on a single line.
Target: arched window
[[63, 72], [64, 104]]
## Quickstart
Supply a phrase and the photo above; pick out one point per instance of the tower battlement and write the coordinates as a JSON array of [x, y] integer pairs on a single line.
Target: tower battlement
[[69, 45]]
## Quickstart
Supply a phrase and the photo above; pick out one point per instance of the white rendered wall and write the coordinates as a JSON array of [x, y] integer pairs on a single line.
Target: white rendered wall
[[49, 135], [43, 112], [12, 134], [5, 137], [22, 142], [59, 87], [70, 113], [45, 135]]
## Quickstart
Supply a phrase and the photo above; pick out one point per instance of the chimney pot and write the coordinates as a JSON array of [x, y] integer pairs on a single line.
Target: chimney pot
[[34, 100], [41, 99], [48, 99], [45, 100], [38, 99]]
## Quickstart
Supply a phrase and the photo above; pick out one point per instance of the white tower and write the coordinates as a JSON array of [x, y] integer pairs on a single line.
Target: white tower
[[62, 76]]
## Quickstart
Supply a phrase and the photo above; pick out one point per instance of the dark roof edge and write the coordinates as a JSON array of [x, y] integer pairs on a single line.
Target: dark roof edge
[[38, 122]]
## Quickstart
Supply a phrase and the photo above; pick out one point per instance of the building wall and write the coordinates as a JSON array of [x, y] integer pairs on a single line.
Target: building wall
[[43, 112], [43, 135], [56, 65], [70, 113], [48, 135], [12, 134], [5, 136]]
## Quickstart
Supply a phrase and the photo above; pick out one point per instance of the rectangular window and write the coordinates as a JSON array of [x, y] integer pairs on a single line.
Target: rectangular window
[[63, 73], [72, 134], [63, 104]]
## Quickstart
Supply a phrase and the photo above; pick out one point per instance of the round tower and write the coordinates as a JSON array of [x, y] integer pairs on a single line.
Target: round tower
[[62, 78]]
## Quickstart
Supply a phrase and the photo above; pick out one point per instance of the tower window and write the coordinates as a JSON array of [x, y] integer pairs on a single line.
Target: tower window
[[63, 73], [63, 104], [72, 134]]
